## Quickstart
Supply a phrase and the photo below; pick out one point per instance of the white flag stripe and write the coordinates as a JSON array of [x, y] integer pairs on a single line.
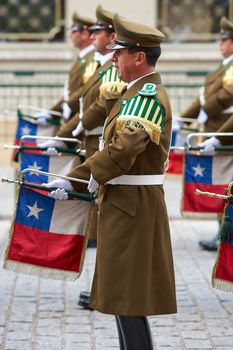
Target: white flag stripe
[[69, 217], [62, 165], [47, 130], [222, 172]]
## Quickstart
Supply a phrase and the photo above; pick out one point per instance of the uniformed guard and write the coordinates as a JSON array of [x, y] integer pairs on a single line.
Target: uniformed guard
[[134, 274], [214, 107], [80, 36]]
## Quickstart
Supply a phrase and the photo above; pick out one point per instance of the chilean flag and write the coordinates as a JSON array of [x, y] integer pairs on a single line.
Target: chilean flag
[[26, 127], [176, 158], [58, 164], [206, 173], [222, 275], [47, 238]]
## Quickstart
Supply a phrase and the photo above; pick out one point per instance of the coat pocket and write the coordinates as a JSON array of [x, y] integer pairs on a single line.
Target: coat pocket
[[124, 197]]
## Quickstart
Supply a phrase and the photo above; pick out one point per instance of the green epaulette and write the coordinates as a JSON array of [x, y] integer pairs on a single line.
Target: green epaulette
[[143, 110], [89, 70], [228, 77], [110, 81]]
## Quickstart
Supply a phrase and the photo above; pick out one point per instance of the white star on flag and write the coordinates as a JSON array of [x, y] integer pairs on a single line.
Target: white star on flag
[[25, 130], [34, 210], [198, 170], [35, 167]]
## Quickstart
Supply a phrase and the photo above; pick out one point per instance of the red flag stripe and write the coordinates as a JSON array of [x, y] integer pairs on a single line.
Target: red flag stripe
[[33, 246]]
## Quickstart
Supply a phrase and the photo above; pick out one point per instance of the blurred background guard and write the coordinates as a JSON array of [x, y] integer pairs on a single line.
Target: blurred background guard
[[80, 36], [214, 107], [134, 274]]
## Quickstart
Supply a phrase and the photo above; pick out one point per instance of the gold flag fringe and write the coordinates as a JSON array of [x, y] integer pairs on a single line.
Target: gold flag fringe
[[42, 272], [222, 285]]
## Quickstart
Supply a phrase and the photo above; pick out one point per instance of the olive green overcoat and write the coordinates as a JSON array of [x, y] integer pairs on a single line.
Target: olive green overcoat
[[134, 266]]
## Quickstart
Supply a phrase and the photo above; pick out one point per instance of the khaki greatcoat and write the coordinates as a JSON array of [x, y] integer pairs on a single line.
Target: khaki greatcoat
[[75, 80], [218, 95], [134, 265]]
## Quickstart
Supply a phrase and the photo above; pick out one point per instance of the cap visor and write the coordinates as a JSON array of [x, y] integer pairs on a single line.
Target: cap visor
[[114, 46]]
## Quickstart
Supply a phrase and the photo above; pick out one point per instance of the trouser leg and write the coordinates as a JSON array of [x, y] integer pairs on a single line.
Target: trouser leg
[[121, 342], [136, 333]]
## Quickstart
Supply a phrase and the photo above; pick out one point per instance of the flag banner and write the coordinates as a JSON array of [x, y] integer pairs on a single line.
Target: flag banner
[[48, 237], [27, 127], [222, 274], [60, 164], [206, 173], [176, 158]]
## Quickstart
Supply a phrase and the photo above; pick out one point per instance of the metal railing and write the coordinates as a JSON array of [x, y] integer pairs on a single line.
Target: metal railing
[[44, 88]]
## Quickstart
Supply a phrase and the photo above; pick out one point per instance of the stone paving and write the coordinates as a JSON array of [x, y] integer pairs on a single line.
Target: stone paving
[[40, 314]]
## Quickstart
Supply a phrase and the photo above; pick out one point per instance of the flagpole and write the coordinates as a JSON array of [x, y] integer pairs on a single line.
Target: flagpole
[[208, 134], [213, 195], [89, 197], [40, 109], [26, 170], [56, 138]]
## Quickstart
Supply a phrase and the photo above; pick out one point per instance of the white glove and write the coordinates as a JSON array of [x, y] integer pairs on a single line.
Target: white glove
[[78, 130], [66, 110], [92, 185], [59, 194], [209, 146], [176, 125], [42, 117], [51, 151], [59, 183], [52, 144], [202, 117]]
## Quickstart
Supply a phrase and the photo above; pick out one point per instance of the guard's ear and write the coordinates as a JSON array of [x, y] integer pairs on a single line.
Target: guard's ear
[[141, 58]]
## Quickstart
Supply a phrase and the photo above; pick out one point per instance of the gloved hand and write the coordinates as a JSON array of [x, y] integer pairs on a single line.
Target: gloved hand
[[59, 183], [78, 130], [59, 194], [42, 117], [66, 110], [209, 146], [50, 145], [92, 185], [202, 117], [176, 125]]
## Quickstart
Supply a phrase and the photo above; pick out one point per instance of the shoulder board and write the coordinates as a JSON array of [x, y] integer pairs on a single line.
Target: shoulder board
[[83, 61], [148, 89], [110, 80], [89, 70], [147, 111], [228, 77]]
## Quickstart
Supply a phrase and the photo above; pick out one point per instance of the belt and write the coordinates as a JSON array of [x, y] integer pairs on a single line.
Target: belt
[[96, 131], [228, 110], [137, 180]]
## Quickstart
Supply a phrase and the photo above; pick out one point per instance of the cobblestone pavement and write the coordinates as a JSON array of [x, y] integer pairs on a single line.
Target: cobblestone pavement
[[43, 315]]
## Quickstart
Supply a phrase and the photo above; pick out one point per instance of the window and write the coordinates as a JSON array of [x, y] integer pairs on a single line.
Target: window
[[32, 20], [190, 21]]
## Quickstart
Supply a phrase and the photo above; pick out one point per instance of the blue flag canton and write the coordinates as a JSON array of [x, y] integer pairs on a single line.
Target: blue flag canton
[[25, 128], [36, 162], [229, 212], [198, 169], [34, 209]]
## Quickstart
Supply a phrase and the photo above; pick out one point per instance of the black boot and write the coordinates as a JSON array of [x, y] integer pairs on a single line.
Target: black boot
[[84, 299], [209, 244], [120, 337], [135, 332]]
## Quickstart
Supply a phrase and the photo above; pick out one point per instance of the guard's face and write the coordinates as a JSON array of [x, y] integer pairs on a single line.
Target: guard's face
[[125, 64], [76, 38], [226, 47], [101, 38]]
